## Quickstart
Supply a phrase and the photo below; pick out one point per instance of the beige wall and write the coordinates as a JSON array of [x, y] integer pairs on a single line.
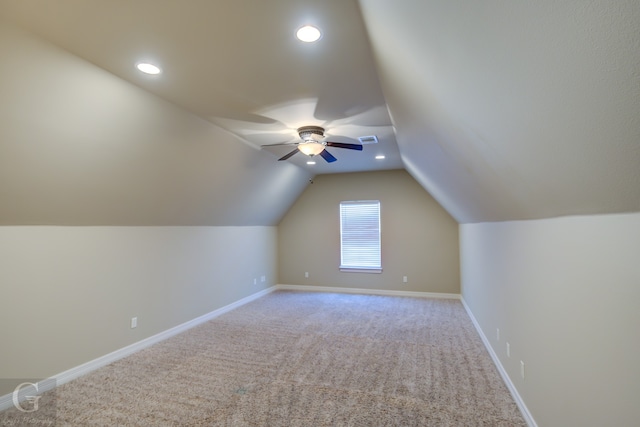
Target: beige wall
[[565, 294], [69, 293], [419, 239]]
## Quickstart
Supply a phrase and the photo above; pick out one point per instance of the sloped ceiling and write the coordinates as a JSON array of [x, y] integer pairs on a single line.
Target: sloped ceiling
[[501, 110], [79, 146], [237, 64], [510, 110]]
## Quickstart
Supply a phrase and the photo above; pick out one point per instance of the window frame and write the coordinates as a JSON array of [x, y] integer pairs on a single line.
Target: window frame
[[351, 267]]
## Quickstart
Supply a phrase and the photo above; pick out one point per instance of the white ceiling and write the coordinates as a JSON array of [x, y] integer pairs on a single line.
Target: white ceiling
[[237, 64], [501, 110], [514, 109]]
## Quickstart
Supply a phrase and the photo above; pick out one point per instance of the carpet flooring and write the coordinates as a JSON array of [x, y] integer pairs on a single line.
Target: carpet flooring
[[303, 359]]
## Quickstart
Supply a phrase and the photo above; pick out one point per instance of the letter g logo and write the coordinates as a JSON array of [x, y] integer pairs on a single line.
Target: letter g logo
[[31, 399]]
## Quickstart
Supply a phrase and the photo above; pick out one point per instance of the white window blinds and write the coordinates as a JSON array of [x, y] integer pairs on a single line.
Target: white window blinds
[[360, 235]]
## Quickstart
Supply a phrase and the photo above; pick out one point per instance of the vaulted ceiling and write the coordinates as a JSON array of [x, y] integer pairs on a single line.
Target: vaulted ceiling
[[501, 110], [514, 109]]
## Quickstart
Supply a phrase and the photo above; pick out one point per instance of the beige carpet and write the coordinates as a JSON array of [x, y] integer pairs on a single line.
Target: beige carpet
[[303, 359]]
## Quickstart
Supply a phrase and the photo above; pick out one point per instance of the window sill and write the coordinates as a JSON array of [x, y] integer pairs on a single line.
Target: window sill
[[360, 270]]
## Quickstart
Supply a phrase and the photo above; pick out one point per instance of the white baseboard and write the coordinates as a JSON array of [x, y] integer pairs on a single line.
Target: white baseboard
[[6, 401], [503, 373], [335, 289]]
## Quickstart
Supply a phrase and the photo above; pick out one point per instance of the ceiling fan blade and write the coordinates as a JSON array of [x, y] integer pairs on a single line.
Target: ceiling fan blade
[[327, 156], [344, 145], [280, 143], [286, 156]]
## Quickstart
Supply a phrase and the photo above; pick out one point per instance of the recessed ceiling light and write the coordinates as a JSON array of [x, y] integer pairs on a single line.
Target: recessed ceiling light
[[380, 157], [308, 34], [311, 163], [147, 68]]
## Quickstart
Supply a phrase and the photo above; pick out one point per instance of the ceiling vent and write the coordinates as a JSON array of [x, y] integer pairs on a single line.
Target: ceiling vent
[[364, 140]]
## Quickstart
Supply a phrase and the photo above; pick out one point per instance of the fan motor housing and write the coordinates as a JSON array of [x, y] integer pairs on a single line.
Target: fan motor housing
[[305, 132]]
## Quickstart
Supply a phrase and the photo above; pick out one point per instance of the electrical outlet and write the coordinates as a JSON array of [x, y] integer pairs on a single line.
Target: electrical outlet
[[497, 334], [306, 274], [134, 322], [263, 278], [508, 350], [404, 279], [522, 369], [255, 281]]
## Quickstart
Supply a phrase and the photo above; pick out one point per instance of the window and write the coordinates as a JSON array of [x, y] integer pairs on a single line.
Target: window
[[360, 236]]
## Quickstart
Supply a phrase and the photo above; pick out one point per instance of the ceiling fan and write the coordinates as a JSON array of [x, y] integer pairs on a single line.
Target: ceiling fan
[[312, 143]]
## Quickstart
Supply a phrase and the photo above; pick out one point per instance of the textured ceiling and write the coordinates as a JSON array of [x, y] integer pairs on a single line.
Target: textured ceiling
[[501, 110]]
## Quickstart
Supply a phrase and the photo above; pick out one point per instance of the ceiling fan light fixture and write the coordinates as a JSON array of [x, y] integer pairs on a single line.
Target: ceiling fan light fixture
[[313, 143], [308, 34], [311, 148]]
